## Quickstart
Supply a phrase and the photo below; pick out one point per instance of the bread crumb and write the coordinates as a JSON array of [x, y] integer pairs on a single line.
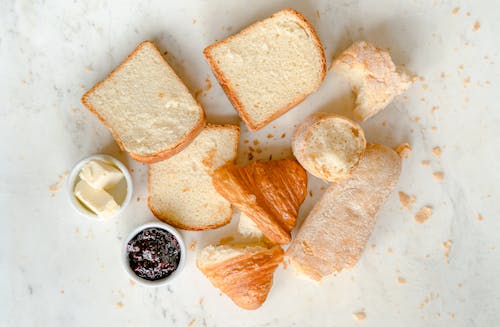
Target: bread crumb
[[283, 135], [403, 150], [285, 264], [132, 282], [459, 285], [400, 281], [192, 246], [443, 75], [57, 185], [208, 84], [476, 26], [359, 315], [373, 246], [322, 188], [416, 119], [455, 11], [439, 176], [194, 21], [226, 240], [161, 95], [468, 13], [61, 291], [119, 305], [437, 151], [425, 163], [270, 136], [423, 214], [447, 247], [425, 87], [88, 69], [389, 251], [191, 323], [434, 128], [467, 81], [245, 141], [311, 194], [479, 217], [197, 93], [434, 109], [461, 67], [202, 300], [452, 315], [75, 110], [255, 142], [138, 199], [317, 13], [406, 200], [384, 124]]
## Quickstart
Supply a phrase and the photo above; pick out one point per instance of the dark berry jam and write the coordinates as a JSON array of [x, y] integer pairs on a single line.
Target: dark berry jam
[[154, 253]]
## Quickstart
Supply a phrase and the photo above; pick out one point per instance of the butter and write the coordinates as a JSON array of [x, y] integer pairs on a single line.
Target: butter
[[97, 200], [100, 175]]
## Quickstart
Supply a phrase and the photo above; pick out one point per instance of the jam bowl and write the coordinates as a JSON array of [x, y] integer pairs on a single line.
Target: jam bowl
[[154, 254]]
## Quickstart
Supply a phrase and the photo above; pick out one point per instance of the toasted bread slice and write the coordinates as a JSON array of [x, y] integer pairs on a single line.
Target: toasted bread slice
[[269, 67], [147, 108], [242, 272], [180, 188], [269, 193]]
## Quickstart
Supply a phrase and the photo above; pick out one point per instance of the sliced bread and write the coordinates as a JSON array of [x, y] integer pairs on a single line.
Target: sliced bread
[[328, 146], [372, 75], [180, 188], [147, 108], [269, 67]]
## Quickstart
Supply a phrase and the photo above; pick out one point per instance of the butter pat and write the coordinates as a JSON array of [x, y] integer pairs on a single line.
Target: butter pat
[[97, 200], [100, 175]]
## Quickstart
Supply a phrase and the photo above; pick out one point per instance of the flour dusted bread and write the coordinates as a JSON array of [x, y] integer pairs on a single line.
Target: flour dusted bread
[[335, 233], [269, 67], [269, 193], [242, 272], [328, 146], [372, 75], [180, 188], [147, 108]]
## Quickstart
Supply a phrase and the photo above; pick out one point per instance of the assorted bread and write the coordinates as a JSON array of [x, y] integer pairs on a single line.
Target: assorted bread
[[269, 67], [328, 146]]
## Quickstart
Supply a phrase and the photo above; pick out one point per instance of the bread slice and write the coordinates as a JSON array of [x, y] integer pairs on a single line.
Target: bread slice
[[147, 108], [269, 67], [328, 146], [180, 188], [372, 75], [269, 193], [336, 231], [242, 272]]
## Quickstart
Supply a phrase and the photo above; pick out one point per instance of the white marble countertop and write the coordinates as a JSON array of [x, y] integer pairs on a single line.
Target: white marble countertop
[[57, 269]]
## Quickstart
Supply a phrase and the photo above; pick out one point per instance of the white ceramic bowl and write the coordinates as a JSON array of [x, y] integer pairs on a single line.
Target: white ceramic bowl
[[121, 192], [169, 278]]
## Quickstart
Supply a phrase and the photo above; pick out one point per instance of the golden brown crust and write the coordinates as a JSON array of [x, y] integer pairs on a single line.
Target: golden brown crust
[[247, 278], [233, 96], [155, 157], [178, 224], [269, 193]]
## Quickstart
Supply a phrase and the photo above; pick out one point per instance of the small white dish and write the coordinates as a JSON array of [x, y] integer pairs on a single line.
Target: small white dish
[[122, 192], [163, 281]]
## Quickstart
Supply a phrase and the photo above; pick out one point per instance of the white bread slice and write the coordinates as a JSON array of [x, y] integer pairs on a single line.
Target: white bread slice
[[334, 234], [242, 272], [328, 146], [372, 75], [269, 67], [180, 188], [147, 108]]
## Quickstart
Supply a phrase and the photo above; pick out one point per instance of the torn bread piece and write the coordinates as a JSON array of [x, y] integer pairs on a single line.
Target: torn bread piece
[[242, 272], [372, 75], [336, 231], [181, 192]]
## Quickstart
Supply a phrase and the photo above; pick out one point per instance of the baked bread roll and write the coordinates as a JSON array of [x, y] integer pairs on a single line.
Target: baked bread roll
[[328, 146], [372, 75], [242, 272], [336, 231], [269, 193]]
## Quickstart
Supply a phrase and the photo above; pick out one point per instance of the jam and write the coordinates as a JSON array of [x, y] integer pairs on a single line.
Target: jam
[[154, 253]]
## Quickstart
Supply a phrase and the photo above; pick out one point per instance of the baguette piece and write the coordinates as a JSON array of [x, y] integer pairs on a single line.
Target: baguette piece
[[180, 188], [242, 272], [269, 193], [336, 231], [328, 146], [269, 67], [372, 75], [147, 108]]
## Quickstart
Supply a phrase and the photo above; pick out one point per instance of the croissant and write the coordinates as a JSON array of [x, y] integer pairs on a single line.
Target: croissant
[[242, 272], [269, 193]]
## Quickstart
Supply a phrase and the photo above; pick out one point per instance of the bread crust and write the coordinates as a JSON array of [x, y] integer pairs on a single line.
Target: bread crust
[[231, 93], [161, 155], [303, 132], [197, 228], [335, 233], [247, 278]]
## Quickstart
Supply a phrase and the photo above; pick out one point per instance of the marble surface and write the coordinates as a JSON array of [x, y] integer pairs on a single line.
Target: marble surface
[[58, 269]]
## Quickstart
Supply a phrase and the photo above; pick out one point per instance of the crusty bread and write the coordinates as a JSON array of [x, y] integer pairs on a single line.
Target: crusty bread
[[147, 108], [336, 231], [270, 193], [180, 188], [242, 272], [248, 228], [372, 75], [269, 67], [328, 146]]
